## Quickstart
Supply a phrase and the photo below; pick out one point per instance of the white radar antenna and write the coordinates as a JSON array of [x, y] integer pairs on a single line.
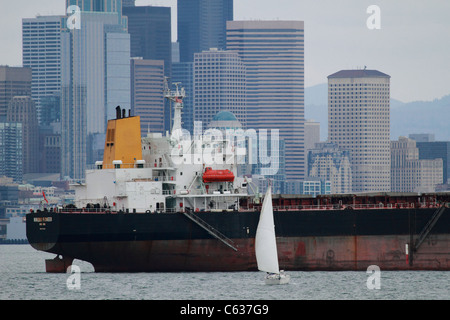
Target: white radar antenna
[[176, 96]]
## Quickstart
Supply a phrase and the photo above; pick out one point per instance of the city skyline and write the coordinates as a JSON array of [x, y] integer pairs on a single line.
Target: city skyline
[[273, 52], [103, 160], [418, 72]]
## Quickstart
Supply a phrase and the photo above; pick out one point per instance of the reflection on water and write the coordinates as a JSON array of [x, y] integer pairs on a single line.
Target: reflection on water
[[23, 276]]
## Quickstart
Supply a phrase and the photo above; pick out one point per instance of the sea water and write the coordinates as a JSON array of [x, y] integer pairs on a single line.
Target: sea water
[[23, 277]]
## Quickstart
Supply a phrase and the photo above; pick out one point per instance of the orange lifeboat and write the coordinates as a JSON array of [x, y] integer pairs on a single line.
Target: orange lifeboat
[[217, 175]]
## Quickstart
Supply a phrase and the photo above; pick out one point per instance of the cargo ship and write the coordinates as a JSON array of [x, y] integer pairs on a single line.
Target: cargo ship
[[155, 205]]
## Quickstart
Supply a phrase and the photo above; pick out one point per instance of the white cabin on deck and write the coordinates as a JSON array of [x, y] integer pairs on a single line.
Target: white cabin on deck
[[161, 173]]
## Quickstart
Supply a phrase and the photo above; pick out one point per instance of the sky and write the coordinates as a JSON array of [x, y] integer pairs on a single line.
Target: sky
[[412, 44]]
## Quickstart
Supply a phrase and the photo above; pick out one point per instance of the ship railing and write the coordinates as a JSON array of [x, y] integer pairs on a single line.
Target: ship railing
[[116, 166], [83, 210], [100, 166], [405, 205], [356, 206], [108, 210]]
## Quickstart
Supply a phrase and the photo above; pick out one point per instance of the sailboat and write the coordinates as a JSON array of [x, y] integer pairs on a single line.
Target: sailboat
[[266, 246]]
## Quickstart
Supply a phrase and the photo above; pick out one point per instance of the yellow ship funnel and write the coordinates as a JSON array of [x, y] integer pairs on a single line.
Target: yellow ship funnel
[[123, 142]]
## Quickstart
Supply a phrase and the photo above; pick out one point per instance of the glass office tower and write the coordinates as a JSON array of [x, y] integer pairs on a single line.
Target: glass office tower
[[202, 25], [273, 54], [41, 45], [95, 78]]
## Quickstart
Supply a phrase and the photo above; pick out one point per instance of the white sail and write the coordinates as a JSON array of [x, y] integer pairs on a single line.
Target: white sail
[[265, 242]]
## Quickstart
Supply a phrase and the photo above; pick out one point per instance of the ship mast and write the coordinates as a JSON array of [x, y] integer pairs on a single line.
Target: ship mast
[[176, 97]]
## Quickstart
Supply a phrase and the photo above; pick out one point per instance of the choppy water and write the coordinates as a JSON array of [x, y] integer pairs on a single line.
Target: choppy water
[[23, 276]]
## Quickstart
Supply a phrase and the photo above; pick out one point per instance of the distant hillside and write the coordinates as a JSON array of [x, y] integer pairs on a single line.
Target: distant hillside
[[317, 95], [406, 118], [422, 117]]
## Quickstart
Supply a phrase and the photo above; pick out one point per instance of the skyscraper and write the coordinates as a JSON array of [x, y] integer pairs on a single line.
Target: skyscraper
[[219, 85], [41, 46], [22, 109], [14, 81], [273, 54], [150, 33], [175, 52], [11, 152], [359, 121], [147, 93], [202, 25], [51, 110], [150, 30], [51, 154], [95, 75]]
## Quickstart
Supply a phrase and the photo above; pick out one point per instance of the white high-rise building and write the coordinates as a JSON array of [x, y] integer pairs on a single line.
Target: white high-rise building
[[219, 85], [359, 121], [41, 52], [273, 53]]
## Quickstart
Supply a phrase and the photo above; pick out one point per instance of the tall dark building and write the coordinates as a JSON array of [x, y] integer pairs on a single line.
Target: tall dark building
[[51, 154], [50, 109], [14, 81], [23, 109], [150, 30], [11, 150], [150, 34], [435, 150], [202, 25]]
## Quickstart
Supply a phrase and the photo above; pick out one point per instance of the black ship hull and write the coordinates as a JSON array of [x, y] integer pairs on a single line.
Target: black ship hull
[[306, 240]]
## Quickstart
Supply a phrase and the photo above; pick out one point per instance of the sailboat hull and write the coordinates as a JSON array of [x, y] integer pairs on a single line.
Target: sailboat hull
[[279, 278]]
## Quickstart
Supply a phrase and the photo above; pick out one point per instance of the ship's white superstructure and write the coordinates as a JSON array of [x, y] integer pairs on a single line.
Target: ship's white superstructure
[[171, 176]]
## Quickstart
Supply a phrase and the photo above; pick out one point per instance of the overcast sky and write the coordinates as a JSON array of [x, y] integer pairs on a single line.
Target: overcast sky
[[412, 46]]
